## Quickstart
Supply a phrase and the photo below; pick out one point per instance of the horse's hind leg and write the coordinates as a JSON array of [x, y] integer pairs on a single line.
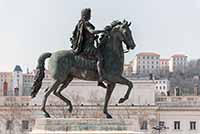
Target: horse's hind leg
[[59, 95], [109, 91], [47, 93]]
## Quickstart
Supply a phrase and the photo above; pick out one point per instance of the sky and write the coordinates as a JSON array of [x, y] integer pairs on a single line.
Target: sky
[[29, 28]]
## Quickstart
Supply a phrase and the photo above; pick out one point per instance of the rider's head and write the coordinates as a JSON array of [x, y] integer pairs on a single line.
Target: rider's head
[[86, 14]]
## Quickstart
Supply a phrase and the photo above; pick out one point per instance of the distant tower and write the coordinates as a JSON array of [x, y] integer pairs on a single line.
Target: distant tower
[[17, 81]]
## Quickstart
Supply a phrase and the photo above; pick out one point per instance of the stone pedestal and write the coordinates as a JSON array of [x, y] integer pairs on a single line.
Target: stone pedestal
[[85, 126]]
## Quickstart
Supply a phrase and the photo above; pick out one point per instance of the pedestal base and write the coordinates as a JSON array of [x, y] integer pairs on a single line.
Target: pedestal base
[[85, 126]]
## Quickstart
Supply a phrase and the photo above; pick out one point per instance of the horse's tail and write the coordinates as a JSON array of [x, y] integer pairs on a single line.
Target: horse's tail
[[39, 76]]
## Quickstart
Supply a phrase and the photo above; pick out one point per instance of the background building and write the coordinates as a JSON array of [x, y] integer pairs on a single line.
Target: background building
[[177, 62], [17, 83], [162, 87], [146, 63]]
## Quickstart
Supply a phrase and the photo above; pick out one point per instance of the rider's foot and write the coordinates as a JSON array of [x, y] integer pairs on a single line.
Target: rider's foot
[[101, 84]]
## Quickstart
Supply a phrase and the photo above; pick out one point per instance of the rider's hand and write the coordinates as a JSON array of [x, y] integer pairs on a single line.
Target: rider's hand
[[107, 28]]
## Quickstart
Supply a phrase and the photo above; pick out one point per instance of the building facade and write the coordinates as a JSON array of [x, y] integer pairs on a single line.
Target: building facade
[[17, 83], [162, 87], [146, 63], [178, 62]]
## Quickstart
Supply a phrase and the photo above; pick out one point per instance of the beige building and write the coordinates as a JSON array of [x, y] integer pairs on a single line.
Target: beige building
[[162, 87], [180, 114], [175, 114], [146, 63], [177, 62]]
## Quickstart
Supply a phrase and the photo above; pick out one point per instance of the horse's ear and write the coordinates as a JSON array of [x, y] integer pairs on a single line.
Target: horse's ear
[[125, 23], [129, 23]]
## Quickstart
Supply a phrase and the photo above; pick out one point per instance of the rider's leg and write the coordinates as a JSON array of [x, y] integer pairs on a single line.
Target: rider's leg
[[100, 69]]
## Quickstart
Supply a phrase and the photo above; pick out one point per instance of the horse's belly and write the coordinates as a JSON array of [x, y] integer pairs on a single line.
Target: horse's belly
[[84, 74]]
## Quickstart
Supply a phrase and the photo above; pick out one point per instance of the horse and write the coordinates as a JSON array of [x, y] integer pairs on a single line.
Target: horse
[[64, 65]]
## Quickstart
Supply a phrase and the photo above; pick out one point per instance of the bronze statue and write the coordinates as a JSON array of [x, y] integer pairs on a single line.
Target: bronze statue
[[83, 40], [66, 65]]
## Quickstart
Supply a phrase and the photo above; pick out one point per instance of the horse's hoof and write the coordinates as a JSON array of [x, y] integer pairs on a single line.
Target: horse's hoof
[[121, 100], [47, 116], [108, 116]]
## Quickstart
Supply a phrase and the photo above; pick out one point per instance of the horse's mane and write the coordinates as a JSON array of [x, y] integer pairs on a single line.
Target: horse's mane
[[115, 23], [104, 37]]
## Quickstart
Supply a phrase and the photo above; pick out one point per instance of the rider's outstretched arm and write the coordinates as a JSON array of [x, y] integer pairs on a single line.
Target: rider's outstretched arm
[[95, 31]]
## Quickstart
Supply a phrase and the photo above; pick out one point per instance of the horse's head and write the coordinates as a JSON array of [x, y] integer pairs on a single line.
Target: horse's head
[[122, 32]]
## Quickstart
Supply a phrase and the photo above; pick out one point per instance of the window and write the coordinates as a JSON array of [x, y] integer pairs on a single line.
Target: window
[[177, 125], [144, 125], [16, 91], [8, 125], [163, 81], [192, 125], [25, 124]]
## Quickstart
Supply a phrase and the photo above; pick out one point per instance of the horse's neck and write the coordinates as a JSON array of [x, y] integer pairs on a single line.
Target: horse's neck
[[113, 54]]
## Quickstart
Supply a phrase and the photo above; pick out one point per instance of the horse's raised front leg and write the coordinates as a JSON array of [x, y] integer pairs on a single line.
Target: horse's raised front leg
[[109, 91], [124, 81], [54, 86], [59, 95]]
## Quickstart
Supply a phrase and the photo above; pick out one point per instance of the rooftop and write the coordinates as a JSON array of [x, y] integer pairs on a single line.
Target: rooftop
[[178, 55], [148, 54], [17, 69]]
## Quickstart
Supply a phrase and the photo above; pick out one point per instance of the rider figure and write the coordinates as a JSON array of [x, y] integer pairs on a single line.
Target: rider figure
[[83, 40]]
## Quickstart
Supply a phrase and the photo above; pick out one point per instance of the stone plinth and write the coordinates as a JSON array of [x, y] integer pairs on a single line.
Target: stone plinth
[[85, 126]]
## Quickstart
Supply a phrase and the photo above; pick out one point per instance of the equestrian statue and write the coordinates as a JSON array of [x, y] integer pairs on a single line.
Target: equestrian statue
[[91, 58]]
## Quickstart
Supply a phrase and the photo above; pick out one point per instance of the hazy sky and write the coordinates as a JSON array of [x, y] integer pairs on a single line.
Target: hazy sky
[[31, 27]]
